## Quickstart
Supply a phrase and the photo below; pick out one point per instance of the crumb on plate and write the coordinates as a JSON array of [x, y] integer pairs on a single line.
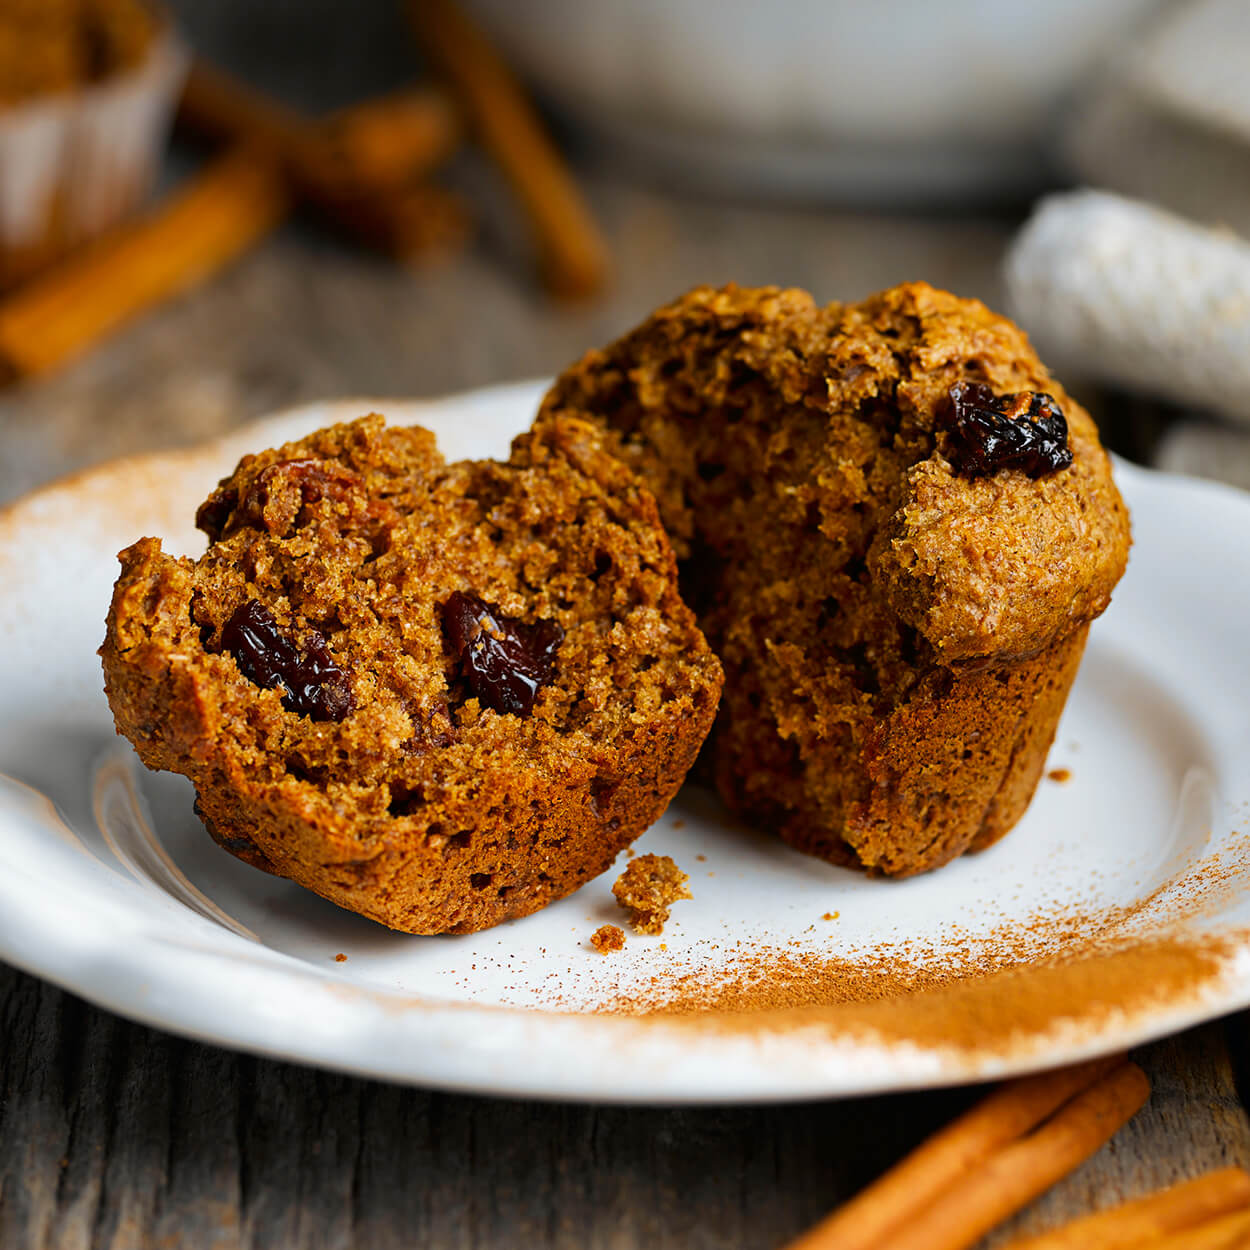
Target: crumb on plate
[[607, 938], [647, 889]]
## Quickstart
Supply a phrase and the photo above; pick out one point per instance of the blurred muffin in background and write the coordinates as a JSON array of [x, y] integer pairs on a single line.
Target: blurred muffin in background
[[87, 91]]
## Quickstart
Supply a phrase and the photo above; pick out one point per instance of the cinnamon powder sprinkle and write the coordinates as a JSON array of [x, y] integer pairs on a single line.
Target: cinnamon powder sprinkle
[[1064, 977], [1064, 974], [901, 1001]]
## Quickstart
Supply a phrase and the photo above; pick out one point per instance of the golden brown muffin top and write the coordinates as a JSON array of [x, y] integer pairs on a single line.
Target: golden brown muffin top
[[853, 405], [49, 46]]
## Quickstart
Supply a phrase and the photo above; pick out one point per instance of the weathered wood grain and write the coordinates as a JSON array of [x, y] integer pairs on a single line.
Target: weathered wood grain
[[114, 1135]]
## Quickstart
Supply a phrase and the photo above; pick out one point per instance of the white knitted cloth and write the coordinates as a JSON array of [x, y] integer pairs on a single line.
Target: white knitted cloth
[[1124, 292]]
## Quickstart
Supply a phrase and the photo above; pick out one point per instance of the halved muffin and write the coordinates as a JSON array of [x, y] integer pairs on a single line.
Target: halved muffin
[[440, 695]]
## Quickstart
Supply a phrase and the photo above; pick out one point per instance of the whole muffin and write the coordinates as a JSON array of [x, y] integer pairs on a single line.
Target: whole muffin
[[440, 695], [895, 528]]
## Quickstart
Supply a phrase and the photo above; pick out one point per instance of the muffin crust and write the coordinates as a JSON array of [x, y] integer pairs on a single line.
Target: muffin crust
[[405, 795], [898, 638]]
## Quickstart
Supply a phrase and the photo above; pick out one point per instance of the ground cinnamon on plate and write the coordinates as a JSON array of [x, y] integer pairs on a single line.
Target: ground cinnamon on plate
[[946, 1007], [1066, 970]]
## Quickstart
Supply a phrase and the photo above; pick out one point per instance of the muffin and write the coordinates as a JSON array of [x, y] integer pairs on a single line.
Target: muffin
[[440, 695], [87, 89], [895, 528]]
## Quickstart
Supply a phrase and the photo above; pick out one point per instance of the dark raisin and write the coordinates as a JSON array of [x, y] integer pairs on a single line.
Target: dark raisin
[[277, 497], [215, 511], [315, 685], [504, 661], [989, 432]]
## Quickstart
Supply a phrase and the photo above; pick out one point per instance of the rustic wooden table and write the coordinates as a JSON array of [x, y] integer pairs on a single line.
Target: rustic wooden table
[[114, 1135]]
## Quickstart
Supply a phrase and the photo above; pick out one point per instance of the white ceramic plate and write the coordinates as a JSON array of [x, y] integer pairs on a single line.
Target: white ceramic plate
[[109, 886]]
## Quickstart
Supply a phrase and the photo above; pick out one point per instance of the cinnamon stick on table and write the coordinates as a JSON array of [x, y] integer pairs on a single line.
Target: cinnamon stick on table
[[947, 1157], [572, 252], [1229, 1232], [1148, 1221], [219, 213], [362, 168], [361, 165], [988, 1164], [389, 140]]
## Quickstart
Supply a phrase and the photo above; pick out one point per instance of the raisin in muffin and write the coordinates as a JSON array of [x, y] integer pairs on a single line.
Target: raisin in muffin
[[440, 695], [895, 528]]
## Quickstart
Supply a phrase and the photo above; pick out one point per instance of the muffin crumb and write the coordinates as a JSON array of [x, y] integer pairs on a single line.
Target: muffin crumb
[[607, 938], [647, 888]]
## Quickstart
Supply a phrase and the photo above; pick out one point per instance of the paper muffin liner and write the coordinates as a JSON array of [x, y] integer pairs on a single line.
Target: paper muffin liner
[[75, 163]]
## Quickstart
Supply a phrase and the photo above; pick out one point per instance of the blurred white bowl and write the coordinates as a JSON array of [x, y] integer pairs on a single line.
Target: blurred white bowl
[[863, 99]]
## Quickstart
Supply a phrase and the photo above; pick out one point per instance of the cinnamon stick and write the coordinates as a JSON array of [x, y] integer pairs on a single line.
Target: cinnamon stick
[[1015, 1175], [390, 140], [219, 107], [407, 224], [387, 141], [1147, 1220], [218, 214], [949, 1156], [572, 253], [361, 168], [1229, 1232]]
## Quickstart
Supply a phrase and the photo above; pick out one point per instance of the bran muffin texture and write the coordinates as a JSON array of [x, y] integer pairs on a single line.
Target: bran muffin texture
[[647, 890], [383, 774], [898, 638]]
